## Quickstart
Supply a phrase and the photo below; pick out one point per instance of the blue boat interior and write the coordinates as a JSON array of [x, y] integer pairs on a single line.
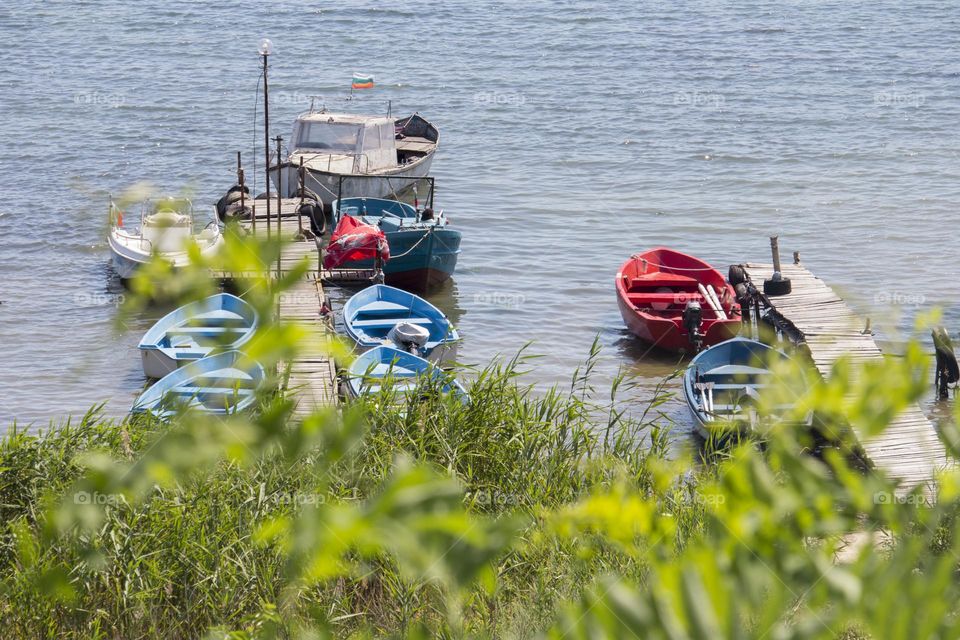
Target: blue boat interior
[[389, 215], [736, 371], [373, 312], [221, 322], [214, 384], [403, 370]]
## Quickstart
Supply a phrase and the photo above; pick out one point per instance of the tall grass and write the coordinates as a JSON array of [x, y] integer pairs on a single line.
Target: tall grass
[[188, 558]]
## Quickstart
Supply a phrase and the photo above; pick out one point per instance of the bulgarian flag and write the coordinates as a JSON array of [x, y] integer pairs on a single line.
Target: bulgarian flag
[[362, 81]]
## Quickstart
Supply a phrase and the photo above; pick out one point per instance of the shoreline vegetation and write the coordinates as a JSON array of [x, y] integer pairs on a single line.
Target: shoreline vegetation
[[512, 514]]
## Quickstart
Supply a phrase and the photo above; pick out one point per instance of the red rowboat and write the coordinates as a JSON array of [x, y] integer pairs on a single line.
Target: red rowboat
[[675, 301]]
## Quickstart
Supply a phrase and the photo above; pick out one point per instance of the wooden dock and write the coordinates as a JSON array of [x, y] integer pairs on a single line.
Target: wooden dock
[[909, 450], [312, 377]]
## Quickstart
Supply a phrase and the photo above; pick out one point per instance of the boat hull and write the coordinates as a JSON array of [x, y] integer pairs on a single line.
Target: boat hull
[[127, 260], [653, 289], [665, 334], [422, 266], [157, 364], [125, 267]]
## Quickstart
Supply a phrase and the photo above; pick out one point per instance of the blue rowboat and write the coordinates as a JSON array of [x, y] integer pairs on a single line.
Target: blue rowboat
[[220, 384], [723, 382], [222, 322], [384, 315], [405, 372], [423, 253]]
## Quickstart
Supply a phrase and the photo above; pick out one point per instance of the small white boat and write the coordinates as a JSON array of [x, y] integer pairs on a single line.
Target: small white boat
[[334, 145], [165, 229], [222, 322]]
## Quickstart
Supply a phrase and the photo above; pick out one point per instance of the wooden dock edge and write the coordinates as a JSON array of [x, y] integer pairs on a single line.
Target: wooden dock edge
[[909, 451]]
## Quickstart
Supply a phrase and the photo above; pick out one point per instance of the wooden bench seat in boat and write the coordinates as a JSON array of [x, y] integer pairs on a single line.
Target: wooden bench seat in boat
[[203, 331], [649, 299], [210, 391], [662, 279], [375, 323], [381, 308]]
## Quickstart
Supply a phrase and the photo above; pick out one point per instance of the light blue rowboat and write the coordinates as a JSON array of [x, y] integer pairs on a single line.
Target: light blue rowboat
[[423, 253], [222, 322], [384, 315], [220, 384], [722, 383], [404, 371]]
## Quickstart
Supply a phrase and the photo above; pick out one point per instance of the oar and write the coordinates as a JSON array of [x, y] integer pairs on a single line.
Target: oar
[[706, 396], [713, 305]]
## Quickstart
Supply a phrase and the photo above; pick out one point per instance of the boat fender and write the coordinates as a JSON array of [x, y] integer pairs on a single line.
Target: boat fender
[[736, 275], [313, 211], [409, 337], [948, 371], [224, 203]]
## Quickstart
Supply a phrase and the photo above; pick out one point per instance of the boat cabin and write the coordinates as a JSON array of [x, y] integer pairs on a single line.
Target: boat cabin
[[351, 143], [365, 143]]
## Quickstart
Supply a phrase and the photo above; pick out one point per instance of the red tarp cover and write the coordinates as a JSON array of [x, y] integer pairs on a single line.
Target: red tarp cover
[[353, 240]]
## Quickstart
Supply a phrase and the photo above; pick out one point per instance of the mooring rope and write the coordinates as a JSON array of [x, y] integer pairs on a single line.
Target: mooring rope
[[416, 244]]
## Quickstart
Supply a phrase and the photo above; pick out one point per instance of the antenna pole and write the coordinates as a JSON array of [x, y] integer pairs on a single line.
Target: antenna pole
[[265, 53]]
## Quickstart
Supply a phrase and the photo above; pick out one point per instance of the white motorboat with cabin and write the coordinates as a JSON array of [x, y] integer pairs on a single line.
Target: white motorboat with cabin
[[333, 146], [166, 229]]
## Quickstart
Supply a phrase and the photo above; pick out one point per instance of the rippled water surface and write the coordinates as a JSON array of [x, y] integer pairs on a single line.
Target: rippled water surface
[[573, 134]]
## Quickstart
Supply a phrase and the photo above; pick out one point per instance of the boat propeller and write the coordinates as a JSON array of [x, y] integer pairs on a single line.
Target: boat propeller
[[948, 371], [692, 320]]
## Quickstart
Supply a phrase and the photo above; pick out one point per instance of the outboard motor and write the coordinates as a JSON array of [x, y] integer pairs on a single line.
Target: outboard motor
[[948, 371], [692, 319], [409, 337]]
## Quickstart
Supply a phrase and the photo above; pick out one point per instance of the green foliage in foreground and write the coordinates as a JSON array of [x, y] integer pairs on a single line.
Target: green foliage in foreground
[[513, 514]]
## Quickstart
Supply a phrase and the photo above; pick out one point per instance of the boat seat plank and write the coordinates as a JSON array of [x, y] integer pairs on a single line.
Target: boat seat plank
[[664, 278], [645, 299], [726, 386], [209, 391], [188, 353], [204, 330], [375, 323], [735, 370], [381, 307]]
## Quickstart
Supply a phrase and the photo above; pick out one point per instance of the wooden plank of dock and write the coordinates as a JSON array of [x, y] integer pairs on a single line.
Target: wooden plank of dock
[[311, 378], [909, 450]]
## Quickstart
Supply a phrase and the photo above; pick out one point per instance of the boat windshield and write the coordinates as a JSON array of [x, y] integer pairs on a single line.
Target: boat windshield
[[329, 136]]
